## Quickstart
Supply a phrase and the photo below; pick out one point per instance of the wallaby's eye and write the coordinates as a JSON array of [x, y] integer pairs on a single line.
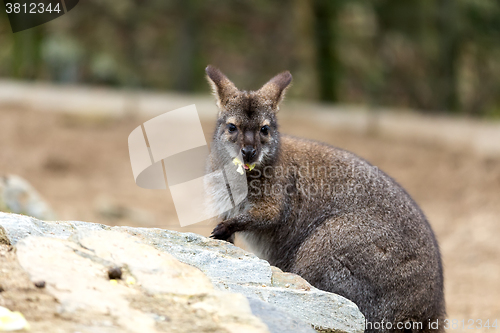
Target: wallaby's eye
[[264, 130], [231, 128]]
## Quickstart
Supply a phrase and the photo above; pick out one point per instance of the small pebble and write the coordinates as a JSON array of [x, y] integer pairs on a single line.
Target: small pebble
[[287, 285], [115, 273], [40, 284]]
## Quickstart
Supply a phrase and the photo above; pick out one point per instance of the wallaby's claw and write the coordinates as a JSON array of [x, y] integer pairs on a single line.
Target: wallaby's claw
[[221, 231]]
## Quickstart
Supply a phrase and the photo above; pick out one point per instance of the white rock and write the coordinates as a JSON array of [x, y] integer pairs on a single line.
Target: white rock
[[148, 254]]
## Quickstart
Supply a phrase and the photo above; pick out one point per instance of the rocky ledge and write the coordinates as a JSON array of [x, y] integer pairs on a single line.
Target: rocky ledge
[[122, 279]]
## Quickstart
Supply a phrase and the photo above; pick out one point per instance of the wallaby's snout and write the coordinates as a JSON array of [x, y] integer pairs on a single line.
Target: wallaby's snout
[[248, 153]]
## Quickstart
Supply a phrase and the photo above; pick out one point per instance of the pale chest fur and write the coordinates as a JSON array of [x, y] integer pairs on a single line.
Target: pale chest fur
[[219, 201]]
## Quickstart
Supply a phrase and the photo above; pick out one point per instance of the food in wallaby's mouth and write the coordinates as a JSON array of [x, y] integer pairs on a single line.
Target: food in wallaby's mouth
[[242, 166]]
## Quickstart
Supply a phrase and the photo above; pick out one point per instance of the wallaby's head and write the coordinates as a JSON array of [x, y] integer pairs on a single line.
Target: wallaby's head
[[246, 123]]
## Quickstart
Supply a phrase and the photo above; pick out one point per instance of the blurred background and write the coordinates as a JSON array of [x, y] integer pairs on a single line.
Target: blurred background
[[428, 55], [412, 86]]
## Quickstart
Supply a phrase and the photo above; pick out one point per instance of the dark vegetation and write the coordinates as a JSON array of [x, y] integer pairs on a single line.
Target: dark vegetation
[[440, 55]]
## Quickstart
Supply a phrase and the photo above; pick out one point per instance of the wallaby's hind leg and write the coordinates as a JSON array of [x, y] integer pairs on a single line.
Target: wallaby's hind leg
[[369, 268]]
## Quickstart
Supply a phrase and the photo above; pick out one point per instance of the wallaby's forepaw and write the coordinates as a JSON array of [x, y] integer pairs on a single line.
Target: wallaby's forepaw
[[222, 232]]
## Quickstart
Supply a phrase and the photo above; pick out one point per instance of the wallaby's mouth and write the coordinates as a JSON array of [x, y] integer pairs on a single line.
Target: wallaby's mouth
[[242, 166]]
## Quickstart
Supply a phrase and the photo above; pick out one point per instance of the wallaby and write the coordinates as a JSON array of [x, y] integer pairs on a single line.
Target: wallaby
[[326, 214]]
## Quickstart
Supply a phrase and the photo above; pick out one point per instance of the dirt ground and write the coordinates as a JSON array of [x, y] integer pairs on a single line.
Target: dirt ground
[[80, 165]]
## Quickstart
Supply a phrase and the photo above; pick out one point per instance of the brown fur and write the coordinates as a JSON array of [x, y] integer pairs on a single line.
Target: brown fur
[[326, 214]]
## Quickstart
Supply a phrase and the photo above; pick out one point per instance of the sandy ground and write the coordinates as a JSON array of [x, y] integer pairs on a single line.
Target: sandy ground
[[80, 165]]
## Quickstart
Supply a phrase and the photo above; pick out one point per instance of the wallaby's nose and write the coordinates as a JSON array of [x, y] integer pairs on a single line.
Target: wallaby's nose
[[248, 152]]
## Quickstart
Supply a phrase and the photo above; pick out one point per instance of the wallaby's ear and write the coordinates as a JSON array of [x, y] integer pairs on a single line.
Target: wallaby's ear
[[275, 89], [222, 87]]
